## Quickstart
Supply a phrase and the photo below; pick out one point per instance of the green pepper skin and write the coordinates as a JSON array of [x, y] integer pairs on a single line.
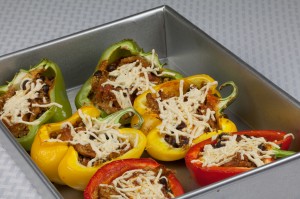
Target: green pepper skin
[[122, 49], [57, 94]]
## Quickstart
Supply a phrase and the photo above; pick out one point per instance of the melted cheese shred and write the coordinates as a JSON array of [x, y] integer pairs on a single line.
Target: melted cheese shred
[[131, 77], [247, 146], [19, 105], [138, 183], [175, 110], [103, 137]]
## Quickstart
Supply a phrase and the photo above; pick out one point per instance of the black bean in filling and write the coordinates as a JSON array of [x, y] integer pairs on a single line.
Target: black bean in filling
[[101, 96], [85, 152], [183, 141], [238, 160], [104, 192], [19, 130]]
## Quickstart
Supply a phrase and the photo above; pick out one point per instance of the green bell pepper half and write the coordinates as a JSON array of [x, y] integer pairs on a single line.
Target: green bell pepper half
[[57, 93], [122, 49]]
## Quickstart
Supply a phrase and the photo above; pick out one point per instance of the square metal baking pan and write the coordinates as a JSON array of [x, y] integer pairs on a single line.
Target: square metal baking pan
[[184, 47]]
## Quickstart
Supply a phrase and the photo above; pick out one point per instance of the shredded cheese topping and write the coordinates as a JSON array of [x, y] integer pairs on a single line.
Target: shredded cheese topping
[[103, 137], [19, 105], [138, 183], [131, 77], [175, 110], [247, 146]]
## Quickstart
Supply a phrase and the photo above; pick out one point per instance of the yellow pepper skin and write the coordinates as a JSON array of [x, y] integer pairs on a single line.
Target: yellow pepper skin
[[59, 160], [157, 147]]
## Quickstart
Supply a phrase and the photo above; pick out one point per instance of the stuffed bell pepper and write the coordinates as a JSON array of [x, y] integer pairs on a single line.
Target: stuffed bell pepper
[[227, 155], [133, 178], [71, 151], [124, 71], [32, 98], [181, 113]]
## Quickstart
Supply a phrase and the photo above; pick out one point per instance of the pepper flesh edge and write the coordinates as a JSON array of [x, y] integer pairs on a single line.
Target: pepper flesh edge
[[60, 162], [207, 175], [157, 147], [109, 172], [140, 103], [110, 55], [57, 94], [48, 155], [77, 175]]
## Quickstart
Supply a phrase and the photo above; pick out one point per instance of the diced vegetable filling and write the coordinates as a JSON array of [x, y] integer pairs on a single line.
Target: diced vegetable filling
[[138, 183], [115, 86], [23, 105], [95, 141], [185, 116], [238, 151]]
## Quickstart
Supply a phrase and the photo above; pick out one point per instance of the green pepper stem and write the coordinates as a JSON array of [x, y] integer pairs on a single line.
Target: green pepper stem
[[282, 153], [116, 117], [225, 102]]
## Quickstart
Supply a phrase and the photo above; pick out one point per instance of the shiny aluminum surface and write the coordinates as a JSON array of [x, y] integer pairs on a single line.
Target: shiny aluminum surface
[[185, 48]]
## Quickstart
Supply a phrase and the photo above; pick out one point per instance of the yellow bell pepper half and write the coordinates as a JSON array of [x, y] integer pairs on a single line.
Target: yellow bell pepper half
[[157, 147], [59, 160]]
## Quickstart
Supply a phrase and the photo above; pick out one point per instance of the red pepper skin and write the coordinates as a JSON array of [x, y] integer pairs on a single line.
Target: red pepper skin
[[107, 173], [207, 175]]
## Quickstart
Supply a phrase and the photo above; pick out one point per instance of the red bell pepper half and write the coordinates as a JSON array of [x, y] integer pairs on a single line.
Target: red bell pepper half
[[109, 172], [207, 175]]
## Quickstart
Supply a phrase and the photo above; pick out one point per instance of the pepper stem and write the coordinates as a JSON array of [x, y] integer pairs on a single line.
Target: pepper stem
[[225, 102], [282, 153], [116, 117]]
